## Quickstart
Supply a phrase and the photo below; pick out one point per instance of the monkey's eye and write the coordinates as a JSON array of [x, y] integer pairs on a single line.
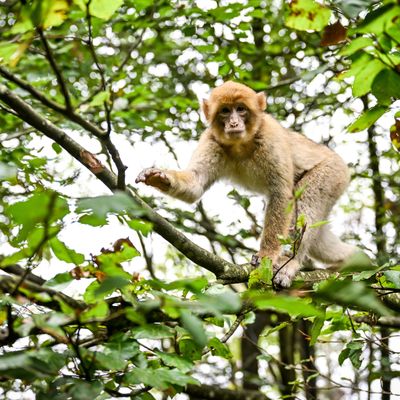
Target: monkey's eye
[[241, 109], [225, 110]]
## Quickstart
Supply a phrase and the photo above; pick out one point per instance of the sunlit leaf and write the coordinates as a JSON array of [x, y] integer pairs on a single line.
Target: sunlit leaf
[[367, 119], [307, 15], [104, 9], [292, 305]]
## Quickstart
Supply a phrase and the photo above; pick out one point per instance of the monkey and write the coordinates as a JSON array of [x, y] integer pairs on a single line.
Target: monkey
[[247, 146]]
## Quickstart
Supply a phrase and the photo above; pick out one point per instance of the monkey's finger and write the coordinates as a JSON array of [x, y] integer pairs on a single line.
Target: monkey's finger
[[144, 174]]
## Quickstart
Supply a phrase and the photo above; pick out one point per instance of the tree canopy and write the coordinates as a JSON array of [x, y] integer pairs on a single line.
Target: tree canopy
[[93, 304]]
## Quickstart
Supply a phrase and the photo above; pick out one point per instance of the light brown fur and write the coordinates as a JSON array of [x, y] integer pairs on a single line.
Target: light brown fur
[[267, 159]]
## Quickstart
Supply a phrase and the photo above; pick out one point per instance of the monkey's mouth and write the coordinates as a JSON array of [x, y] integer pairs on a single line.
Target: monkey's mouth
[[234, 132]]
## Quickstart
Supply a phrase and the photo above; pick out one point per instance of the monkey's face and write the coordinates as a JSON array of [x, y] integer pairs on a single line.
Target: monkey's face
[[234, 112], [232, 119]]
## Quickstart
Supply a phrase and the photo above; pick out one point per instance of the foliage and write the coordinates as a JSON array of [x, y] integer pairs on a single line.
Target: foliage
[[83, 80]]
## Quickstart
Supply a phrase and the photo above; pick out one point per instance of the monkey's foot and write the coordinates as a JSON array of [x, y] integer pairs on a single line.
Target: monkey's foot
[[284, 274], [154, 177]]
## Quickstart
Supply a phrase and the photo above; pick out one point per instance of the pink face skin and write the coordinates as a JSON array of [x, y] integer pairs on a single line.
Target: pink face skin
[[233, 119]]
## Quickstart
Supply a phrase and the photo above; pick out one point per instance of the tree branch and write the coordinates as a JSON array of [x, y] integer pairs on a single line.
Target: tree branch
[[225, 271], [9, 283], [74, 117], [54, 66]]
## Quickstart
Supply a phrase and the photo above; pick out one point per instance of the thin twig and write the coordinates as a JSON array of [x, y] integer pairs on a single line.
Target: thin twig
[[57, 71]]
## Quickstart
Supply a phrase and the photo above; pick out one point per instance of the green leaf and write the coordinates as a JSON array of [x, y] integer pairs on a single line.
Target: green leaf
[[219, 349], [276, 328], [194, 285], [352, 8], [353, 351], [104, 9], [160, 378], [364, 78], [359, 43], [359, 60], [54, 12], [394, 277], [190, 349], [357, 262], [141, 226], [60, 281], [294, 306], [7, 171], [307, 15], [30, 365], [394, 32], [100, 98], [194, 326], [220, 299], [109, 285], [386, 85], [96, 311], [43, 206], [262, 275], [64, 253], [316, 328], [142, 4], [376, 21], [318, 224], [153, 331], [367, 119], [351, 294], [7, 52], [82, 390], [99, 207], [175, 360]]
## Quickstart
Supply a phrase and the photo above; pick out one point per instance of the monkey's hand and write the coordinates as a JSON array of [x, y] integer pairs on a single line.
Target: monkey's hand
[[154, 177]]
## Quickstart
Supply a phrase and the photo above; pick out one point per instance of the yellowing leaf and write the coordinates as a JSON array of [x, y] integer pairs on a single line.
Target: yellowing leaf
[[306, 15], [19, 53], [104, 9], [54, 12]]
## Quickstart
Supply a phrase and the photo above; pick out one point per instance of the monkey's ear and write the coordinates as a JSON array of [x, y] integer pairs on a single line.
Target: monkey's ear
[[206, 109], [262, 101]]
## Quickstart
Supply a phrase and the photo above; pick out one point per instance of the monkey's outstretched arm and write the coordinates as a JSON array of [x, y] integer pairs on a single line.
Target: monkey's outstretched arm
[[190, 184]]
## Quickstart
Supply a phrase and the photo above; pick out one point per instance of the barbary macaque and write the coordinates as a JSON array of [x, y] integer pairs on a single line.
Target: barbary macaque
[[249, 147]]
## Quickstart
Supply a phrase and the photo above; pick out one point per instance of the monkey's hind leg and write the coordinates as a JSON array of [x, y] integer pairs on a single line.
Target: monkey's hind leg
[[323, 186]]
